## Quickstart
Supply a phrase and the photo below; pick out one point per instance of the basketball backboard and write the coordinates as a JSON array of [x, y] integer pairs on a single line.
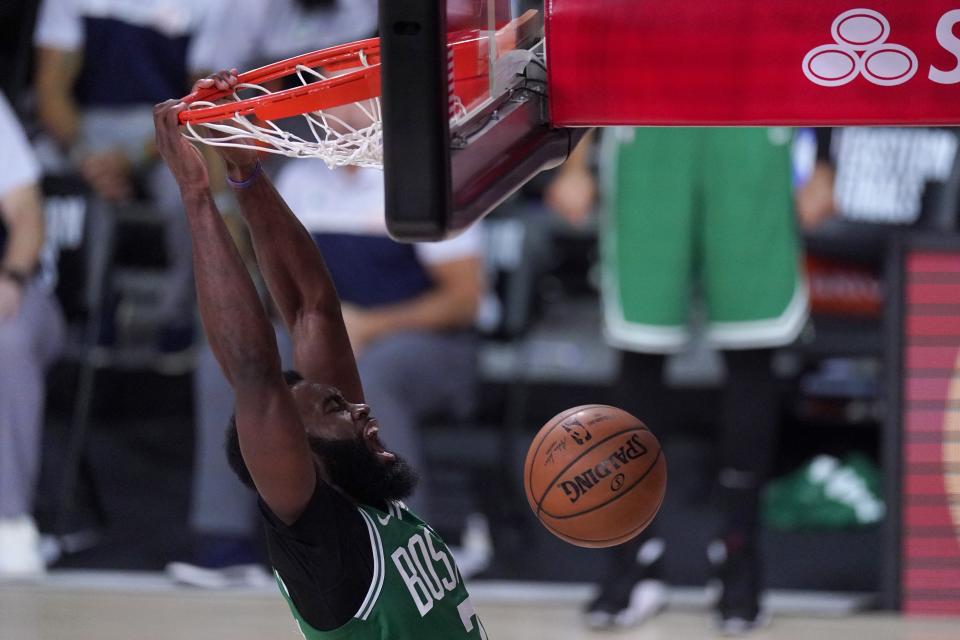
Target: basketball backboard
[[635, 63], [463, 126]]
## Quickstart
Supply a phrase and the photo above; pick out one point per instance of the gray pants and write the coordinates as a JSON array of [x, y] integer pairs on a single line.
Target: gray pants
[[29, 341], [406, 377], [130, 129], [221, 505], [411, 376]]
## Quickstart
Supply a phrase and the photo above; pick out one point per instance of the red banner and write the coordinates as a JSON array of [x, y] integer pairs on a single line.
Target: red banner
[[741, 62]]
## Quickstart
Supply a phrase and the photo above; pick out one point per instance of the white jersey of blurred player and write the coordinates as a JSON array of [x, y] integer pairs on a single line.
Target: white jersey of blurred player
[[350, 201], [61, 24]]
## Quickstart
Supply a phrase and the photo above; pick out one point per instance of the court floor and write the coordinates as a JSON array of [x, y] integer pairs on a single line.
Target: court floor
[[107, 608]]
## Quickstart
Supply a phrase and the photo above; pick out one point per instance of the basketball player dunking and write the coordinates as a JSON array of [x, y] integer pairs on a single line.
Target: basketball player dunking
[[349, 558]]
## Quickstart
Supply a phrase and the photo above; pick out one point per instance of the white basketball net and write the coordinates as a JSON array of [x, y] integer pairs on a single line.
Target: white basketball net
[[347, 135]]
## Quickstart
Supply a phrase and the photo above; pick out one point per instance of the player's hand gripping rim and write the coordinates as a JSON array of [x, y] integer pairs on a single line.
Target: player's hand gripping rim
[[184, 160], [241, 163]]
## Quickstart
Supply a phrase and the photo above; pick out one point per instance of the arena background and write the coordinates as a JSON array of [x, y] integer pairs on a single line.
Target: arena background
[[874, 374]]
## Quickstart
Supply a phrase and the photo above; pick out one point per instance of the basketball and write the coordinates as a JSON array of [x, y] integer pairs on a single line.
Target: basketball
[[595, 476]]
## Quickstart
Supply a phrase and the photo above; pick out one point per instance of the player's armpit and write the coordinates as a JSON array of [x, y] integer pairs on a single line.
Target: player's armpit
[[274, 446], [321, 351], [301, 288]]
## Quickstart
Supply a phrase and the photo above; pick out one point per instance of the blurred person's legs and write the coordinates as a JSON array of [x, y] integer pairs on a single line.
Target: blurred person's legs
[[748, 439], [227, 550], [29, 341], [631, 591], [717, 203], [222, 509], [413, 375], [649, 260], [755, 300]]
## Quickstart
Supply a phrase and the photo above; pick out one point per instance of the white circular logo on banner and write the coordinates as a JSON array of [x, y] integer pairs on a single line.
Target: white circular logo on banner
[[831, 66], [860, 48], [860, 28]]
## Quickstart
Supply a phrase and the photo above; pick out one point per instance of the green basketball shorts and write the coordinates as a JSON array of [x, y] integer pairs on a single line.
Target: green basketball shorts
[[705, 210]]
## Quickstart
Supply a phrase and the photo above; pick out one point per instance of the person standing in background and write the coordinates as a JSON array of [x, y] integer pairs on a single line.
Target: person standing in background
[[31, 335], [707, 211], [101, 66]]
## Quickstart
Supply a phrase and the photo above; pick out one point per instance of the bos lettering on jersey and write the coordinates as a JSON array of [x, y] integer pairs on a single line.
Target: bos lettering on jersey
[[427, 570], [789, 62]]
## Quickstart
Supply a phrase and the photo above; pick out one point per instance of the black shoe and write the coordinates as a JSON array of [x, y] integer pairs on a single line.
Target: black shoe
[[632, 595], [738, 567]]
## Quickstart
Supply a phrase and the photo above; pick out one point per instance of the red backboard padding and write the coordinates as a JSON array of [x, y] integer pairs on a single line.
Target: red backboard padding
[[741, 62]]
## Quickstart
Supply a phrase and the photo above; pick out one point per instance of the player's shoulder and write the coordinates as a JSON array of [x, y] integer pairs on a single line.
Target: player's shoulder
[[327, 510]]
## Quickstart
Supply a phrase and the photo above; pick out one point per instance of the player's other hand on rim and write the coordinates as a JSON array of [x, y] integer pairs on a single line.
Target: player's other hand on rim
[[181, 156], [240, 162]]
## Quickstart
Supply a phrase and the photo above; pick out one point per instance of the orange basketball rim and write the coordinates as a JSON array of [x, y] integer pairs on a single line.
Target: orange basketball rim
[[355, 68]]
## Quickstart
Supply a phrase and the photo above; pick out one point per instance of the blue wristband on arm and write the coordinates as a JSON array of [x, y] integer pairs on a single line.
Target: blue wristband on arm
[[249, 180]]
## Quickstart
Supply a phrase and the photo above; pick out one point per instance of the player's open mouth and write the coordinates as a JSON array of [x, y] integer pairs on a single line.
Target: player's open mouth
[[371, 431]]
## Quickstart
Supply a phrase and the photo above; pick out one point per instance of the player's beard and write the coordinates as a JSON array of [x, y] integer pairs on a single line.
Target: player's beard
[[363, 476]]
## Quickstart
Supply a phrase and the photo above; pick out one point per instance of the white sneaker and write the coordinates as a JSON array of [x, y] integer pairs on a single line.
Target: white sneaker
[[647, 599], [739, 625], [476, 552], [20, 556]]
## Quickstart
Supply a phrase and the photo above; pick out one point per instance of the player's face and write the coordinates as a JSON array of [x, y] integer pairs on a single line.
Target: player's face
[[345, 437], [327, 415]]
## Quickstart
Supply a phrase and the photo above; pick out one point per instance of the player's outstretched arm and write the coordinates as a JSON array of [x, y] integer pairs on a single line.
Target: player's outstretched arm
[[294, 271], [272, 436]]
